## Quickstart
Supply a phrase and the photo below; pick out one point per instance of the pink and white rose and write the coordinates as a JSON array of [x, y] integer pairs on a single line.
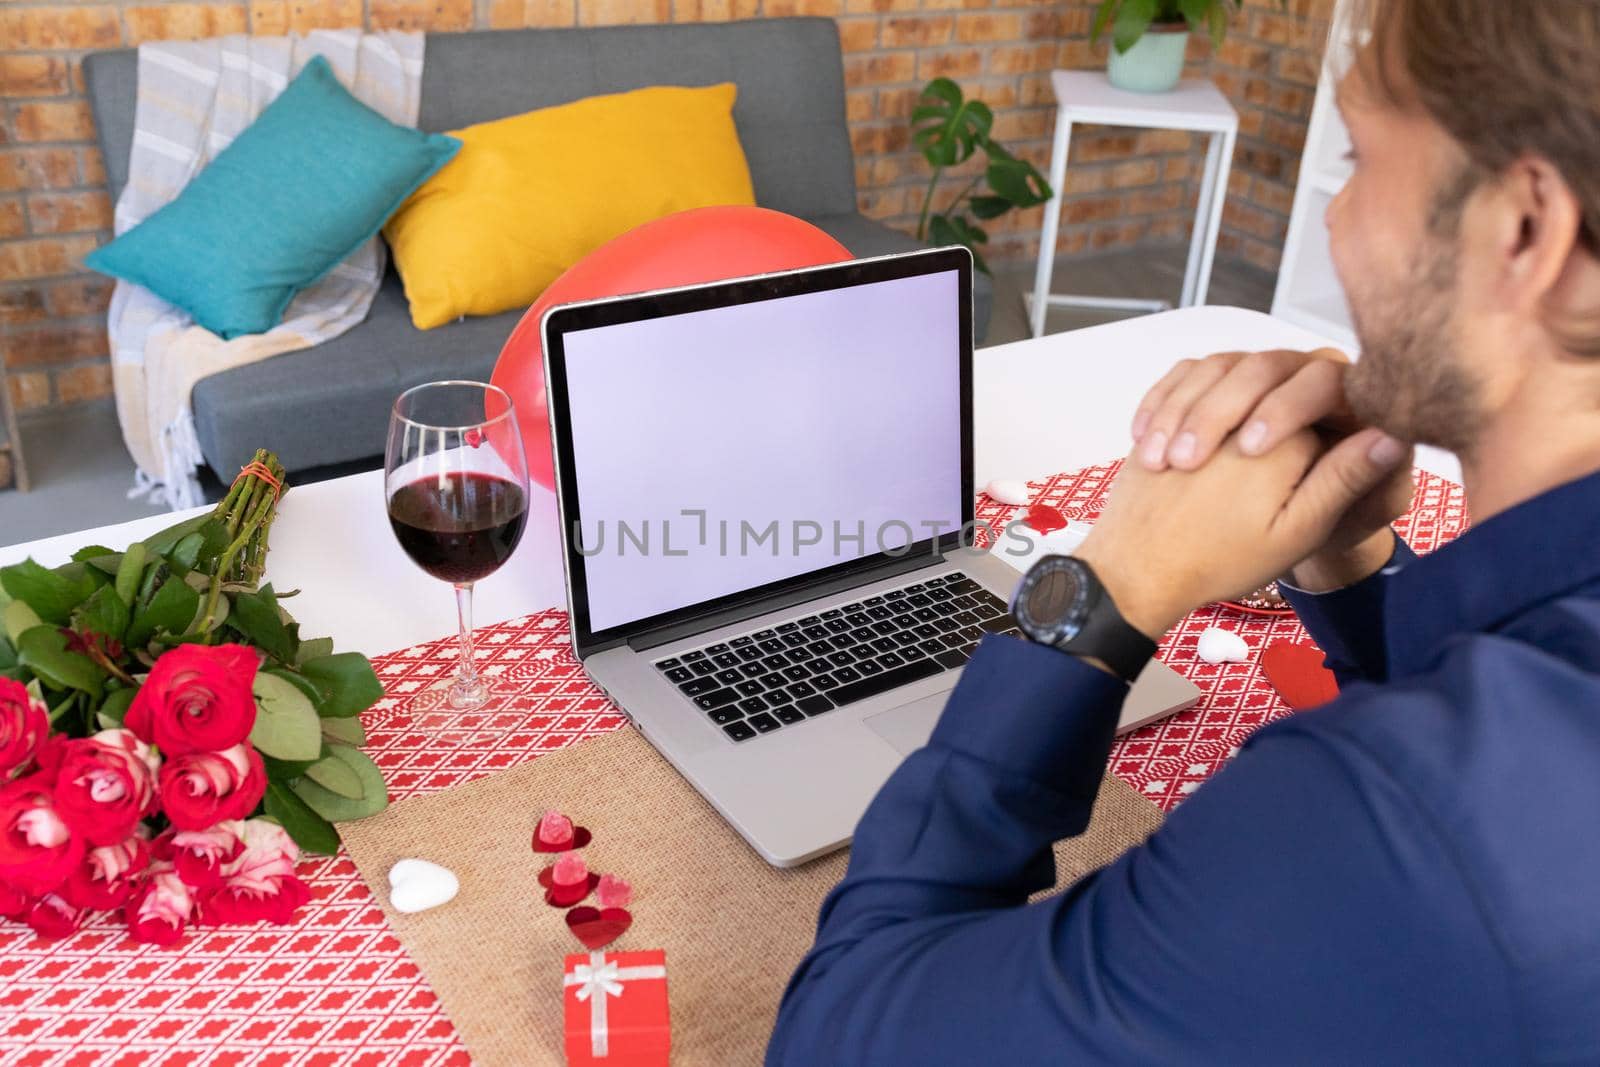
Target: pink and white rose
[[108, 875], [201, 857], [24, 723], [38, 850], [105, 784], [201, 789], [260, 883], [159, 913]]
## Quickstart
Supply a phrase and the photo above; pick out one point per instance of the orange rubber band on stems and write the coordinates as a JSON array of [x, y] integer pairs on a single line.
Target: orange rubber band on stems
[[257, 469]]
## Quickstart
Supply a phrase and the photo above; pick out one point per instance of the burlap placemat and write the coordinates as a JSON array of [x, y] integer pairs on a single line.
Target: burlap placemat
[[733, 927]]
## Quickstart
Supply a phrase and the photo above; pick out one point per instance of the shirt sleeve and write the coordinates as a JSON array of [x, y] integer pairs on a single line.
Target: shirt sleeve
[[1347, 624], [1278, 916]]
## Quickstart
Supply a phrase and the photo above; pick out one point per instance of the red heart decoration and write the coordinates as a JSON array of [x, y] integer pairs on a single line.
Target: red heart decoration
[[1297, 673], [561, 896], [580, 837], [597, 928], [1044, 518]]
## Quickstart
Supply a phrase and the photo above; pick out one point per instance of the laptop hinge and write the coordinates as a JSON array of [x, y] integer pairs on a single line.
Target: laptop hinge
[[688, 628]]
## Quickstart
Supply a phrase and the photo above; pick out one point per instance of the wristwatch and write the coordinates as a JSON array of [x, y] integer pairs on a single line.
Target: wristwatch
[[1062, 603]]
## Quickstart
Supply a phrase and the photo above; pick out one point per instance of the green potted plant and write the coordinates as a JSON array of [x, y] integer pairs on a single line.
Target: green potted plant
[[1148, 37], [948, 129]]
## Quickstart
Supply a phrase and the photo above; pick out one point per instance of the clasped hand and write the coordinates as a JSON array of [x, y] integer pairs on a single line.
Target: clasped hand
[[1246, 467]]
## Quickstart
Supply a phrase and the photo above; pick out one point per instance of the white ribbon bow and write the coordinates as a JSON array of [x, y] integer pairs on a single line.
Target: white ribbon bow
[[597, 980]]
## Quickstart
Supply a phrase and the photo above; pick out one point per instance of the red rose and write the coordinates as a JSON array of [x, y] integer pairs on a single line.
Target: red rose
[[105, 784], [24, 724], [53, 918], [202, 856], [14, 903], [37, 848], [108, 876], [197, 699], [159, 912], [261, 882], [201, 789]]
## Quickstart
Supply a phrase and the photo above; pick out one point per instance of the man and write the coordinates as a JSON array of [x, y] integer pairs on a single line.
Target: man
[[1410, 874]]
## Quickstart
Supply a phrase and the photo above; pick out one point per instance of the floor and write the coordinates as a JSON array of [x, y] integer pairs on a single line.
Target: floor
[[81, 472]]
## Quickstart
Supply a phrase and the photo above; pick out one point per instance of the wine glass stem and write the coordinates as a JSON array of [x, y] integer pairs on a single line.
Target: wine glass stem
[[467, 669]]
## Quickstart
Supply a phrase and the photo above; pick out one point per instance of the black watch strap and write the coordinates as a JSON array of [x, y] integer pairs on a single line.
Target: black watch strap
[[1106, 636]]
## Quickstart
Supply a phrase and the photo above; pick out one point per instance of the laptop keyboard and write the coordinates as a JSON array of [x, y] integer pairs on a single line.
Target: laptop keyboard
[[767, 679]]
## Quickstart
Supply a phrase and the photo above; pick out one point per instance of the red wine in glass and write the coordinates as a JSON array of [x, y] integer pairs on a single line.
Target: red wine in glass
[[459, 526], [456, 486]]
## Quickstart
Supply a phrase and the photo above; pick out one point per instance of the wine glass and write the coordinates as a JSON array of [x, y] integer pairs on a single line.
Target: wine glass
[[456, 482]]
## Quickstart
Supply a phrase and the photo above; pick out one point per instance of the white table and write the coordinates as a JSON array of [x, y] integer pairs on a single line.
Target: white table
[[1084, 96], [1040, 406]]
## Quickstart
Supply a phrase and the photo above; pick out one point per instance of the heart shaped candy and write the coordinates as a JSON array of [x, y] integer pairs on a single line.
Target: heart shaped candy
[[1297, 673], [1044, 518], [1217, 645], [417, 885], [597, 927], [613, 892], [562, 895], [555, 833], [1007, 491]]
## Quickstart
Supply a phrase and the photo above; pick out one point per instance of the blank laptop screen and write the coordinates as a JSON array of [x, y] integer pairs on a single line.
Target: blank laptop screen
[[719, 450]]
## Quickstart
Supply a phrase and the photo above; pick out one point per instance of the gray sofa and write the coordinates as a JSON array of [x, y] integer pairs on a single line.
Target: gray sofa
[[329, 405]]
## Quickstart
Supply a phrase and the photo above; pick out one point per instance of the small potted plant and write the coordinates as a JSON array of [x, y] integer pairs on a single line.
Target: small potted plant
[[1148, 37], [949, 129]]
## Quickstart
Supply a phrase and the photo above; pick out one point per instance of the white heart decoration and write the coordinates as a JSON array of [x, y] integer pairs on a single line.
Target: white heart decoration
[[417, 885], [1223, 646], [1008, 491]]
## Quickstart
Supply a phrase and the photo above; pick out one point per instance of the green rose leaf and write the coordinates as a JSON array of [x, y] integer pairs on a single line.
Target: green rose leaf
[[97, 554], [171, 610], [336, 808], [43, 650], [286, 721], [186, 552], [19, 619], [115, 709], [310, 831], [315, 648], [51, 594], [257, 617], [347, 682], [283, 770], [105, 613], [337, 776], [160, 544], [129, 570], [350, 731]]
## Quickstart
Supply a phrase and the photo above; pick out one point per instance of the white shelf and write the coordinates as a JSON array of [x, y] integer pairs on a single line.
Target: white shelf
[[1329, 184], [1309, 293], [1326, 315]]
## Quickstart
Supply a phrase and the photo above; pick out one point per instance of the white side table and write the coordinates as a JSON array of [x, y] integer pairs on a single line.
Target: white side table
[[1084, 96]]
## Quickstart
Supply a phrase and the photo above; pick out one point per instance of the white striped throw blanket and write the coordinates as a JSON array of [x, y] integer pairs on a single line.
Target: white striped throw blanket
[[195, 97]]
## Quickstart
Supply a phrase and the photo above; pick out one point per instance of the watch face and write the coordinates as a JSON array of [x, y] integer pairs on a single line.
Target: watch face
[[1051, 602]]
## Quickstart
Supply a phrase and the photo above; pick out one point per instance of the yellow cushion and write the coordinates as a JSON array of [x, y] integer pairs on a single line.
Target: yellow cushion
[[530, 195]]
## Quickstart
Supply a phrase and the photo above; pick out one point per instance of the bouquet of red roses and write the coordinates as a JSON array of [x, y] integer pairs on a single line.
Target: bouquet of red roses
[[168, 742]]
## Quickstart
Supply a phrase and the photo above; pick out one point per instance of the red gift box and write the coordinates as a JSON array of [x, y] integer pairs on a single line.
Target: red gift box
[[616, 1009]]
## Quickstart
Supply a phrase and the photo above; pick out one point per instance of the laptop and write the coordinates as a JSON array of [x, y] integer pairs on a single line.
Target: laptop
[[764, 485]]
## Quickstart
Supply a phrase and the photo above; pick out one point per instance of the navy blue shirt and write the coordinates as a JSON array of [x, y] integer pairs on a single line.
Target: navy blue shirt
[[1409, 874]]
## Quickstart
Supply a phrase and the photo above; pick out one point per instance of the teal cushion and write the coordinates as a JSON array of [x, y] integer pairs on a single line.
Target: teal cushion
[[302, 187]]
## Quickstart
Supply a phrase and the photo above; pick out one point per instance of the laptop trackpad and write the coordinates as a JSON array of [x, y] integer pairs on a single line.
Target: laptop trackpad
[[908, 727]]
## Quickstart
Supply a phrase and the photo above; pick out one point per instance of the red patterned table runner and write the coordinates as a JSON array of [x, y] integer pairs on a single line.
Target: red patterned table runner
[[337, 988]]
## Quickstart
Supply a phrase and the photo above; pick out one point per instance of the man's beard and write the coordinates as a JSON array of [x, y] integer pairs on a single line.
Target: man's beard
[[1408, 381]]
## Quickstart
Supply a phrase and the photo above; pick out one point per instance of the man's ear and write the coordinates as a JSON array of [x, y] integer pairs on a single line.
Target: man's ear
[[1537, 224]]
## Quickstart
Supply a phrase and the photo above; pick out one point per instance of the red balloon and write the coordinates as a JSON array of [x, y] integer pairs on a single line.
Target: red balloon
[[704, 245]]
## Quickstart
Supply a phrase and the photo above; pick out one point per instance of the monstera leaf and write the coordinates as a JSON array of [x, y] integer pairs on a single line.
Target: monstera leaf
[[946, 127]]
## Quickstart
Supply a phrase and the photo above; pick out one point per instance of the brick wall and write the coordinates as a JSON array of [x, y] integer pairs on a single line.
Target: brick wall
[[1126, 187]]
